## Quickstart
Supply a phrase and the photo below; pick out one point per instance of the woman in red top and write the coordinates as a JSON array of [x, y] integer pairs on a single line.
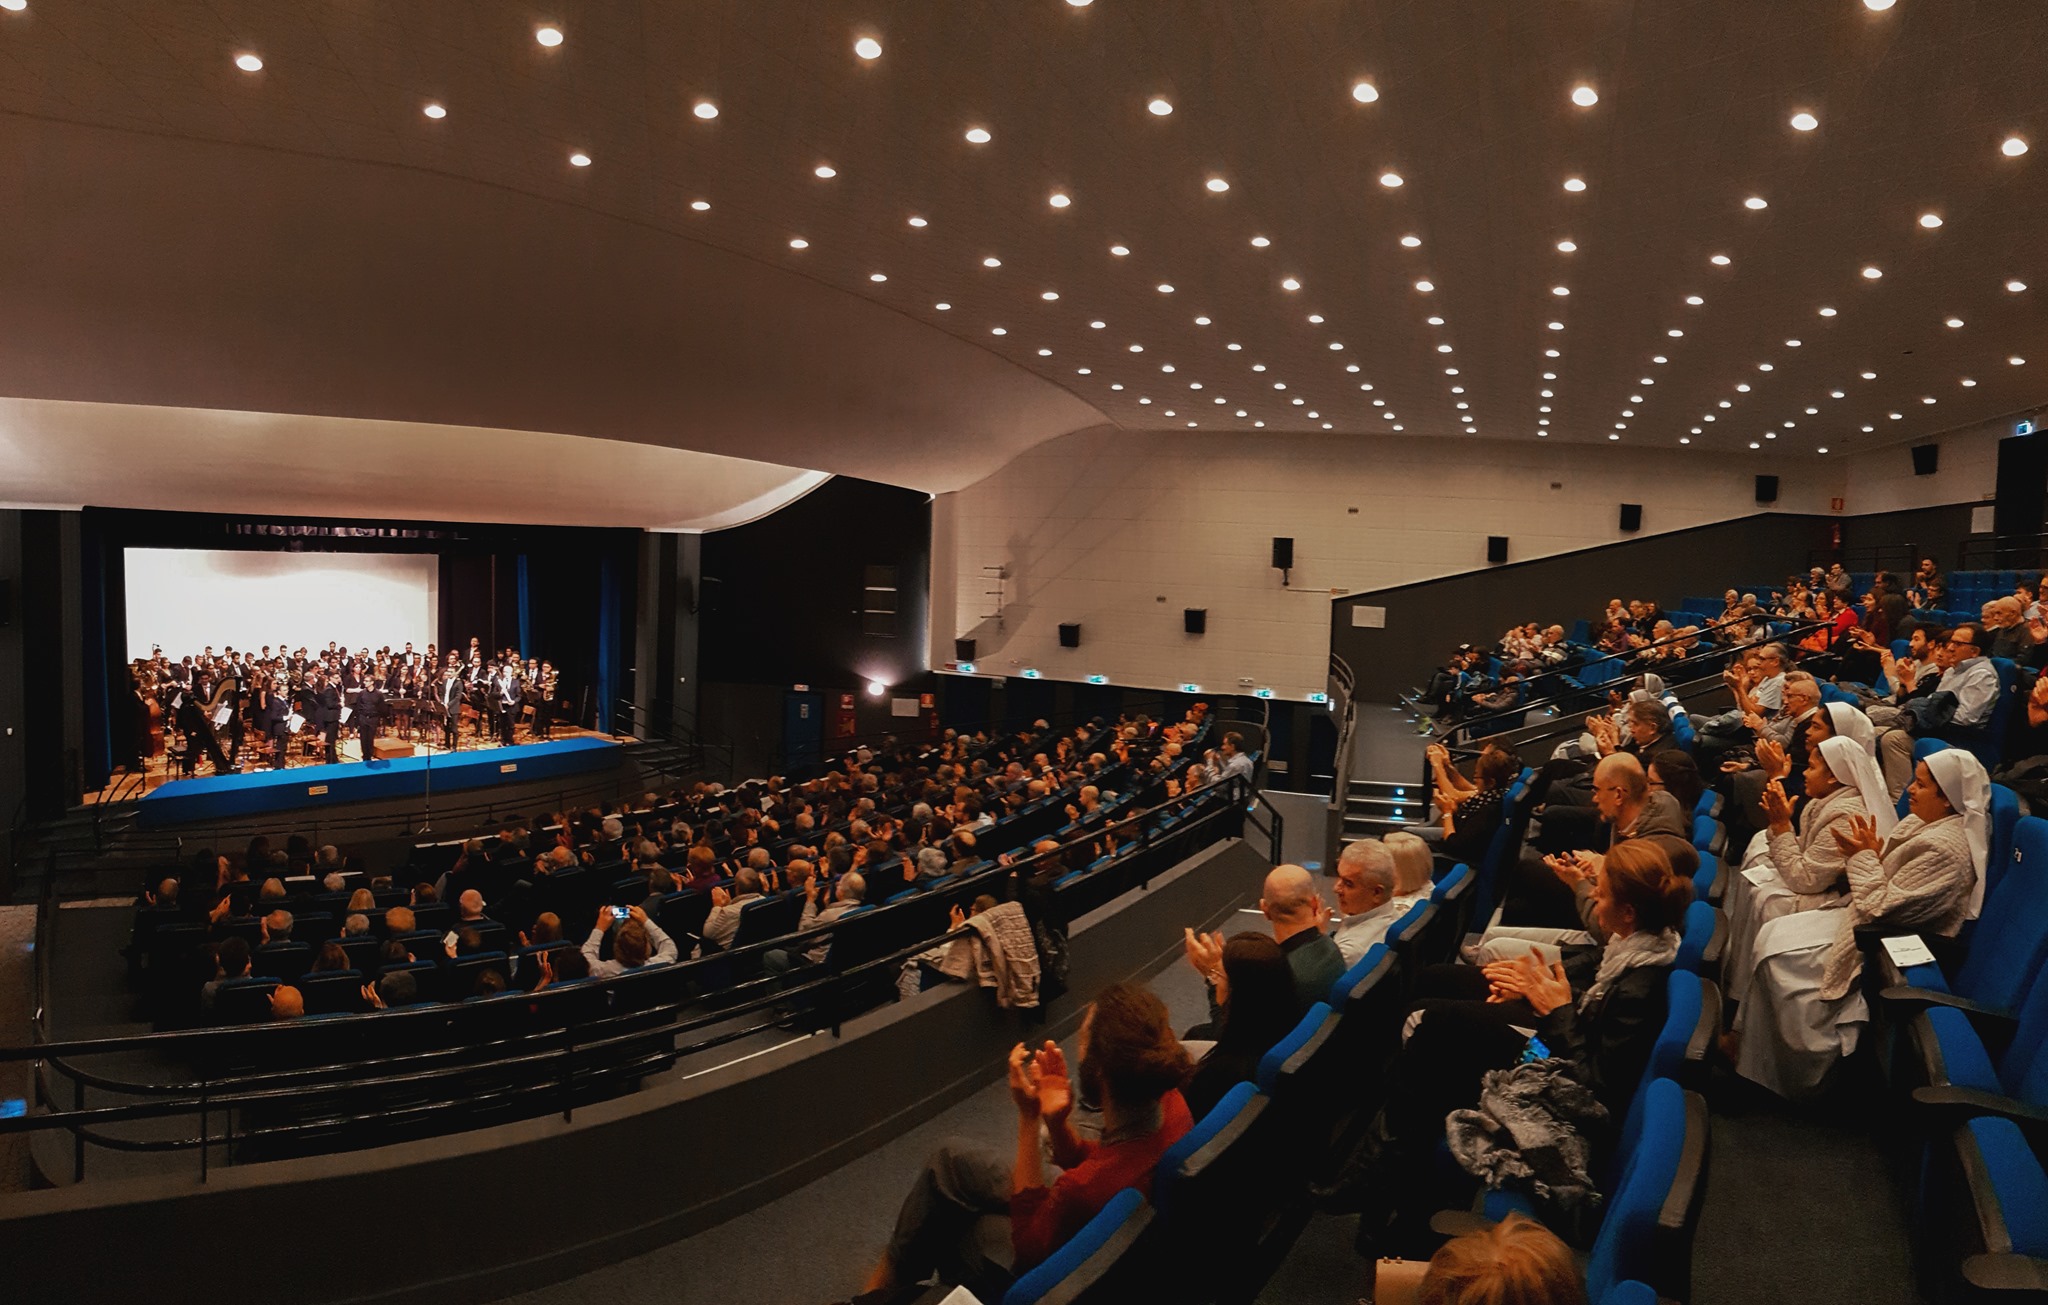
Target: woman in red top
[[1131, 1063]]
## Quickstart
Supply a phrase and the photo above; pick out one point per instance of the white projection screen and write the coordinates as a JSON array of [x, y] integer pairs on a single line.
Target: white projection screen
[[186, 599]]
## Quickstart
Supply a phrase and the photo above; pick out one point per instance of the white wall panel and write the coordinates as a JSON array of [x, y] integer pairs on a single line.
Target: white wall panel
[[187, 599]]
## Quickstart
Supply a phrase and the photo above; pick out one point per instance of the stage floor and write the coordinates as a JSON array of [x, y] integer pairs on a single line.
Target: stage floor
[[129, 783]]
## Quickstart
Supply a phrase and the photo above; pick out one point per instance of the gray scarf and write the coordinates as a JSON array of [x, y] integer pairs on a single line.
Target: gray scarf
[[1624, 954]]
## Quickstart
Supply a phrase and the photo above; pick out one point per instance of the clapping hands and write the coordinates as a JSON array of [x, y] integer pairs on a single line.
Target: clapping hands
[[1039, 1084], [1860, 836]]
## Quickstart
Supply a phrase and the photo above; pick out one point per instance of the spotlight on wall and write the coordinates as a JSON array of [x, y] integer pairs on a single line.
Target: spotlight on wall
[[876, 688]]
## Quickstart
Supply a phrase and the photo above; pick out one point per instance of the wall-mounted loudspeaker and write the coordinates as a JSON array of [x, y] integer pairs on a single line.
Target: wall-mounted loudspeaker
[[1631, 516], [1766, 489], [1283, 553], [1195, 620], [1496, 548], [1070, 636], [963, 650], [1926, 459]]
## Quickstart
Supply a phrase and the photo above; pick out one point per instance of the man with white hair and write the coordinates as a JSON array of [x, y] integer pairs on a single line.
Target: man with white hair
[[1365, 896]]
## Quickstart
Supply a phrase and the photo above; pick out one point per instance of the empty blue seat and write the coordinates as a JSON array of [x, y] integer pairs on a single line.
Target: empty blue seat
[[1701, 940], [328, 992], [1653, 1205]]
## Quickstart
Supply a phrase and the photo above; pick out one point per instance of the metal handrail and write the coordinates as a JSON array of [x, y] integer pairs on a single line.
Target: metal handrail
[[207, 1095]]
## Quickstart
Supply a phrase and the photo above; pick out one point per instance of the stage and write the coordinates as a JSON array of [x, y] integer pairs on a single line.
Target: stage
[[227, 797]]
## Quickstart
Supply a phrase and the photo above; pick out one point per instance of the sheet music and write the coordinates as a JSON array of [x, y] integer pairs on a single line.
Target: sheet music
[[293, 722], [221, 714], [347, 712]]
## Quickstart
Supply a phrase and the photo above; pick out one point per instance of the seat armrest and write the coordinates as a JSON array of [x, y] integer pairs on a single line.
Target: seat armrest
[[1961, 1104], [1457, 1223], [2009, 1272], [1905, 1000]]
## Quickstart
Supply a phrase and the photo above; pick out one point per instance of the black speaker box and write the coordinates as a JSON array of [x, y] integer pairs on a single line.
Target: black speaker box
[[1070, 636], [963, 650], [1195, 620], [1766, 489], [1496, 548], [1631, 516], [1283, 553], [1926, 459]]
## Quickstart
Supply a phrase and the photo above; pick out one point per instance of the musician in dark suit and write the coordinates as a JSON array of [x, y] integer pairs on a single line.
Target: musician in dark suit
[[506, 700], [369, 714], [270, 709], [327, 706], [451, 706], [191, 714]]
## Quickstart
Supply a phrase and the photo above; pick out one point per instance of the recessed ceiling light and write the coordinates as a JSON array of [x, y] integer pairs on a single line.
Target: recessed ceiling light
[[1876, 6], [1233, 346], [1160, 108], [1045, 353], [1335, 345], [1954, 322], [1351, 367], [1364, 92], [248, 63], [1435, 321], [701, 205], [1645, 381], [580, 159], [998, 330], [1812, 412], [825, 172], [1827, 312], [548, 36], [1567, 247], [1316, 318], [1872, 273], [1615, 437], [1120, 250], [1058, 199], [1753, 444], [1560, 290], [1804, 122], [1201, 321], [2015, 286], [942, 307], [1144, 400], [918, 221], [1290, 284], [2013, 147], [1868, 429], [1097, 325], [1660, 360], [978, 135], [1725, 404], [1260, 242], [878, 276], [1967, 381], [1675, 333], [1412, 242], [1443, 348], [1927, 399], [1552, 353], [1694, 300], [799, 243], [1822, 449], [1869, 376], [1574, 184], [867, 47], [1164, 288], [705, 109], [1930, 220], [432, 110], [1390, 179], [1895, 415], [1048, 295], [1137, 348], [14, 6], [1425, 286], [1585, 96], [1791, 344], [2017, 361], [1080, 4], [1838, 394], [1258, 367], [1116, 385], [1742, 388], [991, 262], [1685, 439], [1719, 260], [1756, 202], [1765, 367], [1216, 185]]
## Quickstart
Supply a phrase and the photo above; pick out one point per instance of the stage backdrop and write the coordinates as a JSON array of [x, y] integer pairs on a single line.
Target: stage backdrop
[[186, 599]]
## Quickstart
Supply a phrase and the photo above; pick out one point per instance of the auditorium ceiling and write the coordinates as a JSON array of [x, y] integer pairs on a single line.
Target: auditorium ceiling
[[908, 240]]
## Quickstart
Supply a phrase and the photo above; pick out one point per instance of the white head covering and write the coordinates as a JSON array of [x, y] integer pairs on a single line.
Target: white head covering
[[1855, 767], [1968, 789], [1848, 720], [1653, 685]]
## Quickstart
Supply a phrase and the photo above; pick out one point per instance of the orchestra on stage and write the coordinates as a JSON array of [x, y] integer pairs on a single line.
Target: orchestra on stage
[[239, 709]]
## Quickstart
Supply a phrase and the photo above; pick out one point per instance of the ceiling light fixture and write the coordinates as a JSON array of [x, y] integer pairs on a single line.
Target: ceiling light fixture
[[978, 135], [2015, 286], [991, 262], [799, 243], [1567, 247], [1120, 250], [824, 172], [1364, 92], [1585, 96], [1827, 312], [1968, 382], [1097, 325], [1159, 108], [548, 36], [1694, 300], [705, 109], [1216, 185], [1260, 242], [1058, 199], [1412, 242], [877, 276], [1804, 122], [1574, 184], [1048, 295], [1560, 290], [248, 63], [701, 205], [1954, 322], [1290, 284], [432, 110], [1164, 288], [1755, 202], [1719, 260], [2013, 147], [1930, 220], [867, 47], [1425, 286], [579, 159], [943, 307], [1390, 180], [1871, 273], [918, 222]]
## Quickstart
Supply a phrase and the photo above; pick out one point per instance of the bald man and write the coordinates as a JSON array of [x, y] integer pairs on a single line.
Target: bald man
[[1548, 891], [1297, 913]]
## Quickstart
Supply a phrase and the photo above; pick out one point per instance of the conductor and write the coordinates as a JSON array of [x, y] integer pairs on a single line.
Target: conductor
[[369, 714]]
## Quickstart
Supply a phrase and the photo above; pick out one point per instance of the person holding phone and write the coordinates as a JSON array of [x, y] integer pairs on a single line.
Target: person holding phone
[[639, 942]]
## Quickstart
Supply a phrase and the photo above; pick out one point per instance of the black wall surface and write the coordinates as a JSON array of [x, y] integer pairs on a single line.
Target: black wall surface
[[1425, 620], [781, 602]]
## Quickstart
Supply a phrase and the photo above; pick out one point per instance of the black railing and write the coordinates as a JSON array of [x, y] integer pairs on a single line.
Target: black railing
[[2002, 553], [1901, 559]]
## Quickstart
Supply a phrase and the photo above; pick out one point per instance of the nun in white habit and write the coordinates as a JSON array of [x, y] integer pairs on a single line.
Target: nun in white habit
[[1804, 868], [1833, 719], [1804, 1011]]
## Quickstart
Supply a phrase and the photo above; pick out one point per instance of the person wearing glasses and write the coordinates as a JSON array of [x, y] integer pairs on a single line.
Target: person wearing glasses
[[1967, 696]]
